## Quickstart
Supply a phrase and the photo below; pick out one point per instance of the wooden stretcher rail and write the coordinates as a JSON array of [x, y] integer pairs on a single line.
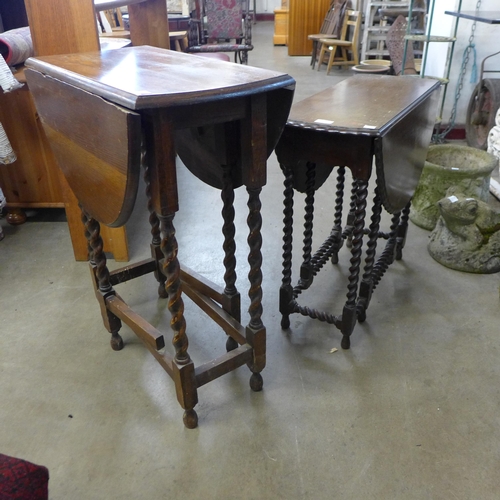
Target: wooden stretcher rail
[[145, 331], [223, 364], [214, 311], [165, 359], [133, 271], [205, 286]]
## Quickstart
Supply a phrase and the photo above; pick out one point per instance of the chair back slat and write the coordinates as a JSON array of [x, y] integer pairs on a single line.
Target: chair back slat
[[333, 21], [351, 26], [224, 26], [223, 19], [328, 19]]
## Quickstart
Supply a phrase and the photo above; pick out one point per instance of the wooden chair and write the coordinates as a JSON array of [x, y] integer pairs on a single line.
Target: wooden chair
[[396, 45], [222, 26], [115, 21], [330, 28], [179, 41], [348, 42]]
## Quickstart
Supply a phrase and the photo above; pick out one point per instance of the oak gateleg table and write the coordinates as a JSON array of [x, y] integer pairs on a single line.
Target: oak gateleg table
[[364, 119], [105, 114]]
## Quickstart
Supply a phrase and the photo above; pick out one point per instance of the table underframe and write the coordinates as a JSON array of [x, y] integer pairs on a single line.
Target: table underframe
[[244, 345], [352, 232]]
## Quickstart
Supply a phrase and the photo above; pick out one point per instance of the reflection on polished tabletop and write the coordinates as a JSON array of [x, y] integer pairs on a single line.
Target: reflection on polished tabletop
[[145, 77]]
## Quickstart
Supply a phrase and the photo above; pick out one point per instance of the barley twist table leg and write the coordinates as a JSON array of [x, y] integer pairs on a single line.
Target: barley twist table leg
[[231, 295], [339, 203], [306, 273], [255, 329], [171, 269], [388, 254], [155, 229], [85, 219], [401, 232], [100, 276], [351, 215], [349, 311], [366, 286], [286, 290]]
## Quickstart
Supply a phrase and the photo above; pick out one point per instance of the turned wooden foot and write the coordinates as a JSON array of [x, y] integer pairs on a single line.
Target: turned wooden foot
[[346, 342], [190, 419], [16, 216], [256, 382], [361, 308], [231, 344], [116, 342], [361, 313], [285, 322]]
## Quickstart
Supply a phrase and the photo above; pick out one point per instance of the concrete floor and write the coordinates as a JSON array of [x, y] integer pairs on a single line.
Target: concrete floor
[[411, 411]]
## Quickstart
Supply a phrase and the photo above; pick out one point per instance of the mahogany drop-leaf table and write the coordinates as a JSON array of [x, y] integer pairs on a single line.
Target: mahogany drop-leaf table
[[105, 113], [364, 118]]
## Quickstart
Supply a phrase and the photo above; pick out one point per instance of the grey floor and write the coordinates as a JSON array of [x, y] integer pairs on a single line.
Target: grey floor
[[411, 411]]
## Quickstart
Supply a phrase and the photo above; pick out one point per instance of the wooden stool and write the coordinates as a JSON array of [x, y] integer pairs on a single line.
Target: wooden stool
[[344, 126], [223, 124], [179, 40]]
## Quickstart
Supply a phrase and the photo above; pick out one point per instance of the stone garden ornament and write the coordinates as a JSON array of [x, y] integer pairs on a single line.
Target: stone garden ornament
[[467, 234], [450, 165]]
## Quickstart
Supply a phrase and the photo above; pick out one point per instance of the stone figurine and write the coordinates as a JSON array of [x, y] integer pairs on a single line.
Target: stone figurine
[[450, 165], [467, 234]]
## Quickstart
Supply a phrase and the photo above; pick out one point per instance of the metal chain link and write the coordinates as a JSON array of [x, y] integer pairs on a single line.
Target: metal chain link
[[439, 138]]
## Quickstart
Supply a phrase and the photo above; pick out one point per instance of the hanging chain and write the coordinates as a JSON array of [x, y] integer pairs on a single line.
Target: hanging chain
[[439, 138]]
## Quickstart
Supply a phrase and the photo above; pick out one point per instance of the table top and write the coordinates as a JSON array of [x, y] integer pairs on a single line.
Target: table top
[[149, 77], [489, 16], [380, 102]]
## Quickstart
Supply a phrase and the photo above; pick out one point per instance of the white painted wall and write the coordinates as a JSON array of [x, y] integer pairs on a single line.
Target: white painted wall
[[487, 41], [266, 6]]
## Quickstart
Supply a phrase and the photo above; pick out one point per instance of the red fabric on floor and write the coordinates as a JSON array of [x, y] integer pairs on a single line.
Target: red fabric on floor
[[22, 480]]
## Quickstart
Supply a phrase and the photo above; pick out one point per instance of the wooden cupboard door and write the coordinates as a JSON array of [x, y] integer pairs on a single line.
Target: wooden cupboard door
[[62, 26], [305, 18], [33, 178]]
